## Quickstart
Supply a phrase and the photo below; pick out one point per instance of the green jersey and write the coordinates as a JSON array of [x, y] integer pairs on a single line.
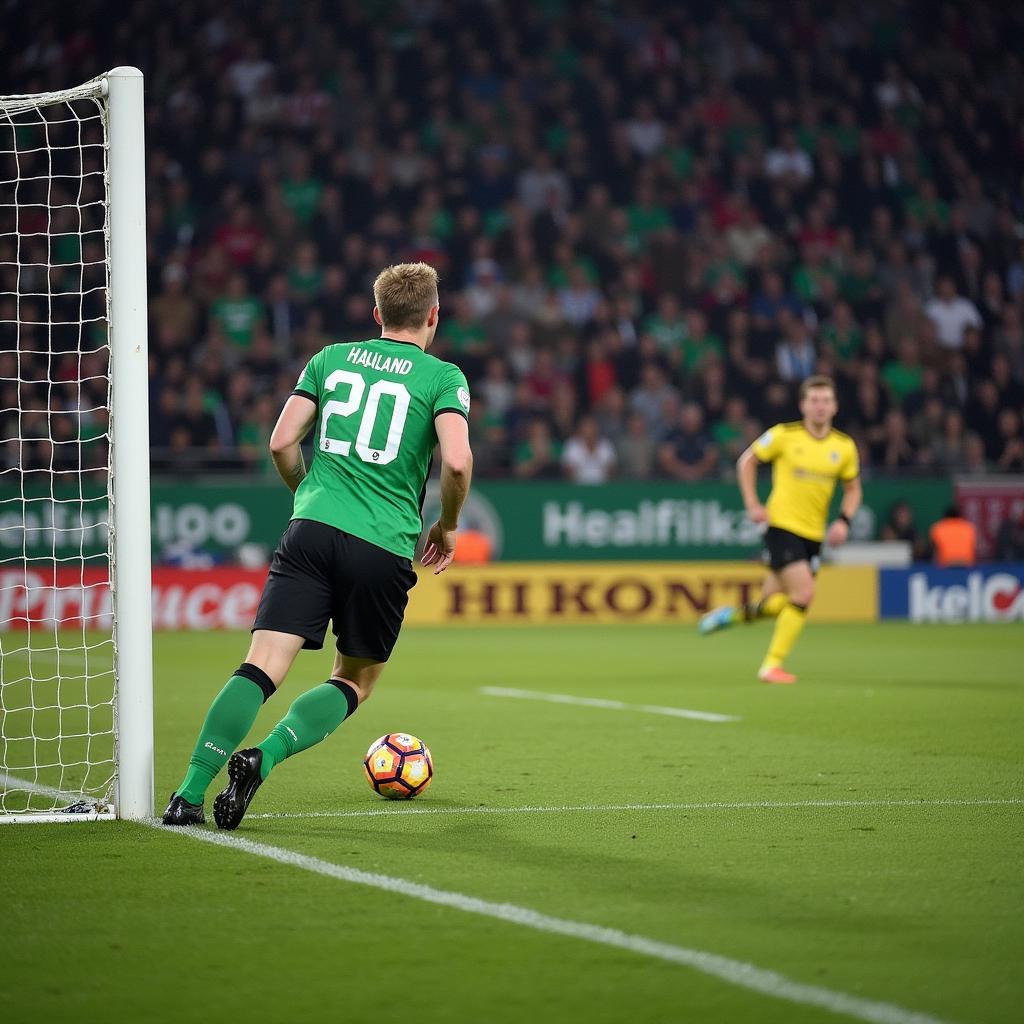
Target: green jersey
[[374, 437]]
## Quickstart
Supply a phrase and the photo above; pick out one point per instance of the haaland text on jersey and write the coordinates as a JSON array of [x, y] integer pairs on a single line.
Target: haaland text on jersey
[[381, 363]]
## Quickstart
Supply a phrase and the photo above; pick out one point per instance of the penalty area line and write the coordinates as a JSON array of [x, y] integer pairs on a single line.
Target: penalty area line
[[746, 805], [610, 705], [733, 972]]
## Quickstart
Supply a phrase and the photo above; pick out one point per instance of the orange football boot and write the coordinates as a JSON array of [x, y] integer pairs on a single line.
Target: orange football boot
[[776, 675]]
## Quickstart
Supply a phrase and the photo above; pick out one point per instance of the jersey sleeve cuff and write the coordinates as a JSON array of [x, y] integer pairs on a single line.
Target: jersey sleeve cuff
[[307, 394], [451, 408]]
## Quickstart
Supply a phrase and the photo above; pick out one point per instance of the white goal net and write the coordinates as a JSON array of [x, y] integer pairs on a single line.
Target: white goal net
[[62, 753]]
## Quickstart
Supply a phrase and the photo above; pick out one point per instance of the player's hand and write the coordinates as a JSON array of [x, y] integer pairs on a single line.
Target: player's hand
[[440, 549], [757, 513], [837, 533]]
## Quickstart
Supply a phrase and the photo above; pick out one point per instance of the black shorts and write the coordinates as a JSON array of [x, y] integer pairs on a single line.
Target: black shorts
[[320, 573], [782, 548]]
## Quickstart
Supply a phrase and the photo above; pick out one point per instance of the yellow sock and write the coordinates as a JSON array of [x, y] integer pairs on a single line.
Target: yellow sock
[[787, 629], [770, 606]]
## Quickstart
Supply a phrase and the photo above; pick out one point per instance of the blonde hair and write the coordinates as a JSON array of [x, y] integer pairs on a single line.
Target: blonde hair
[[404, 295], [819, 380]]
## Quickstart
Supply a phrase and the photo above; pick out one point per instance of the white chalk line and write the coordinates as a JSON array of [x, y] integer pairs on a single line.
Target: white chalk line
[[10, 783], [744, 805], [734, 972], [611, 705]]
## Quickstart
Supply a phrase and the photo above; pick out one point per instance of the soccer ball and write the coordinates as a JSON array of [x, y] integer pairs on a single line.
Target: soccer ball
[[398, 766]]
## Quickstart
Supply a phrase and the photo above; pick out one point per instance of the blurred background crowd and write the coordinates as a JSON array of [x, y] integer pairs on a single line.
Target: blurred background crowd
[[651, 220]]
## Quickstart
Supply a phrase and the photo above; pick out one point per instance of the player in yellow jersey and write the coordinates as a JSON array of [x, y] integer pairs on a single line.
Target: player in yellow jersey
[[807, 458]]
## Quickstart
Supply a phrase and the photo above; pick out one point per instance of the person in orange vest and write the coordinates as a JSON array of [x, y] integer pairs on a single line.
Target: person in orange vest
[[954, 540], [473, 547]]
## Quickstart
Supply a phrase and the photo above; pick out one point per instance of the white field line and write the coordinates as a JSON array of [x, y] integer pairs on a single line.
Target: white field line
[[406, 811], [13, 782], [733, 972], [611, 705]]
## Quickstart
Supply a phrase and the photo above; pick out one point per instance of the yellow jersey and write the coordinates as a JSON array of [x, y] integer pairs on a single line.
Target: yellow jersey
[[804, 474]]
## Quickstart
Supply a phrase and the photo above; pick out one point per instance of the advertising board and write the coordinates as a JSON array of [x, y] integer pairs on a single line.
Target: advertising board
[[504, 594], [927, 594], [525, 521]]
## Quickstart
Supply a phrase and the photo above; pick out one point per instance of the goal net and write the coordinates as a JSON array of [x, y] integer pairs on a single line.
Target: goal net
[[75, 659]]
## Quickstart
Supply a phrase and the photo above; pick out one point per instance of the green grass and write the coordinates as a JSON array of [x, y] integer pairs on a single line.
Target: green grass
[[915, 905]]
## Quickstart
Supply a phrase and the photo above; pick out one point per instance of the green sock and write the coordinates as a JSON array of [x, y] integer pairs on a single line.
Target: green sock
[[313, 716], [229, 719]]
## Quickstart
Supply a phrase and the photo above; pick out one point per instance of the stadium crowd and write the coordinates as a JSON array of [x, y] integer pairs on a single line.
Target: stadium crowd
[[651, 220]]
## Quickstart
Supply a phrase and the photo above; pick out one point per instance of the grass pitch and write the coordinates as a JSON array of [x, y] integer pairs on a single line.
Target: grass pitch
[[860, 832]]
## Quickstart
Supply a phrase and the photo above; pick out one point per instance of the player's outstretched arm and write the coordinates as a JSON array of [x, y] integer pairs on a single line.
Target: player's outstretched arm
[[456, 473], [746, 477], [285, 443]]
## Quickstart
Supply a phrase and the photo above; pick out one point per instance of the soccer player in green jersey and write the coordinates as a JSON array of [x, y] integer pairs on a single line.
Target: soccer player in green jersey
[[378, 409]]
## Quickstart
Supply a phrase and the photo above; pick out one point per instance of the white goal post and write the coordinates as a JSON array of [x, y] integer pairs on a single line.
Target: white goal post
[[76, 691]]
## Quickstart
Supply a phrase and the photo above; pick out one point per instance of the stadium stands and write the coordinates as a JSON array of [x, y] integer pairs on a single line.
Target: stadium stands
[[651, 220]]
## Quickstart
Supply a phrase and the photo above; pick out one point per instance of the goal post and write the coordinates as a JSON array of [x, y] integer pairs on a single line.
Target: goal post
[[129, 374], [76, 694]]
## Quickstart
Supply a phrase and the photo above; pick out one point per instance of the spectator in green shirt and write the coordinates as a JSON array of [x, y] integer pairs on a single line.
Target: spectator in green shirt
[[645, 215], [730, 432], [699, 343], [306, 277], [462, 331], [678, 157], [929, 207], [859, 285], [301, 191], [236, 312], [667, 326], [808, 277], [182, 213], [538, 456], [846, 132], [564, 261], [842, 333], [253, 438], [903, 376]]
